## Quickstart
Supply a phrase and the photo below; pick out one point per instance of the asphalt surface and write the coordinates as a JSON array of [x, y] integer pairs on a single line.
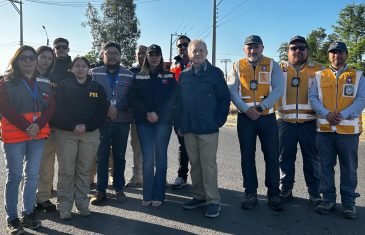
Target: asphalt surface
[[132, 218]]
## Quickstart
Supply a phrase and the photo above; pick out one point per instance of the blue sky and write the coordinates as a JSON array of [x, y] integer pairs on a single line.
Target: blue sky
[[275, 21]]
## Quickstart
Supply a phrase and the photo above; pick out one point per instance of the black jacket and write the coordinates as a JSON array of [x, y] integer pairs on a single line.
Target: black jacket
[[203, 100], [155, 92], [79, 104]]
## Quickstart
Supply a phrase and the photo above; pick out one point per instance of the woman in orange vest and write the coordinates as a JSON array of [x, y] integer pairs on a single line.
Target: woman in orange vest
[[26, 105]]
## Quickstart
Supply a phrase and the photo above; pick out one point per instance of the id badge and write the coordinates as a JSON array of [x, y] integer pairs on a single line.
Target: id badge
[[253, 85], [295, 81], [113, 102], [264, 77], [348, 90]]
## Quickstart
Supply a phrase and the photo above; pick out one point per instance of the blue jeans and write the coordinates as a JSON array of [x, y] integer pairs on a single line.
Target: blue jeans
[[115, 135], [266, 129], [331, 145], [25, 155], [154, 139], [290, 134]]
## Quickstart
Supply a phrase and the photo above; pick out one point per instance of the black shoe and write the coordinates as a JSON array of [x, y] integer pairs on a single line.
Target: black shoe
[[14, 227], [315, 199], [286, 195], [194, 203], [325, 207], [47, 206], [29, 221], [98, 198], [249, 201], [275, 204], [349, 211]]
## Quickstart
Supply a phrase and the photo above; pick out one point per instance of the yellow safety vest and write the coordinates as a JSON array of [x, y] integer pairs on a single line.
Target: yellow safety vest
[[294, 106], [336, 95], [262, 74]]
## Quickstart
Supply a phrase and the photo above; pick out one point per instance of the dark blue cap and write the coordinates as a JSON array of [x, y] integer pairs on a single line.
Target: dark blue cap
[[298, 38], [253, 39], [154, 48], [340, 46]]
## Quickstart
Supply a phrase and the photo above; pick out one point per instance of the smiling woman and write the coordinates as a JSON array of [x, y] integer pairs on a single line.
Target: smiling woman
[[26, 105]]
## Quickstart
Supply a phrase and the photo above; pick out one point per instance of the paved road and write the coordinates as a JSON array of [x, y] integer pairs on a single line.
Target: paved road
[[132, 218]]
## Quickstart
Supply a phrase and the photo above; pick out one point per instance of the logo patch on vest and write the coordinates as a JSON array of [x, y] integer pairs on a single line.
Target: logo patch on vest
[[264, 77], [349, 80], [348, 90]]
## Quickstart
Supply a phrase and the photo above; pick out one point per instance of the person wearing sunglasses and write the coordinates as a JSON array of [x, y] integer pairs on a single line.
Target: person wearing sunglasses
[[256, 84], [63, 60], [297, 121], [337, 95], [182, 61], [26, 106]]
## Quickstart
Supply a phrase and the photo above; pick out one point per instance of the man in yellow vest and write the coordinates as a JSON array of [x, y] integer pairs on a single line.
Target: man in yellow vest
[[297, 122], [256, 84], [337, 96]]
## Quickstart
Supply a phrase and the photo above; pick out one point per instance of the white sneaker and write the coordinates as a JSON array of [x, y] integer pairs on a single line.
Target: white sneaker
[[179, 183]]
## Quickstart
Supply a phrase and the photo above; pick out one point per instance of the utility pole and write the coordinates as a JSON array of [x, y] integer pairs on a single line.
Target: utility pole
[[225, 61], [215, 5], [214, 30], [172, 42], [20, 12]]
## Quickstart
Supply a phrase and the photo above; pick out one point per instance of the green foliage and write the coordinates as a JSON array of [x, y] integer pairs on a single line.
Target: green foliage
[[92, 56], [283, 51], [118, 23], [350, 29]]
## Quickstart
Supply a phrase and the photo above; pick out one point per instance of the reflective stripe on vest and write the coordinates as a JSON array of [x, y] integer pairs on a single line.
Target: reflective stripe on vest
[[12, 134], [325, 80], [294, 105], [262, 74]]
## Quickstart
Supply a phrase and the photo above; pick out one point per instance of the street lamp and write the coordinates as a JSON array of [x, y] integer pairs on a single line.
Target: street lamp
[[46, 34]]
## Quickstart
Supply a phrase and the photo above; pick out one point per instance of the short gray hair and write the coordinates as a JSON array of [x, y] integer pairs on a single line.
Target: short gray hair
[[197, 41]]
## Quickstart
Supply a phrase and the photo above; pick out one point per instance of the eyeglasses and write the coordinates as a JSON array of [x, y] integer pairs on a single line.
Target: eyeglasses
[[295, 48], [112, 54], [183, 45], [24, 58], [64, 47]]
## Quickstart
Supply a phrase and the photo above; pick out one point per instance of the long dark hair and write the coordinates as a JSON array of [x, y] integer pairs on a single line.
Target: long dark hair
[[42, 49], [14, 71], [145, 70]]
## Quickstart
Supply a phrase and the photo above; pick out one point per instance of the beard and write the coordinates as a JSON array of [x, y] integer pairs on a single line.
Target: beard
[[112, 66]]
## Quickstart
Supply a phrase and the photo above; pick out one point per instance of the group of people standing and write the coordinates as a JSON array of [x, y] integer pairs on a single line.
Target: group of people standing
[[52, 106]]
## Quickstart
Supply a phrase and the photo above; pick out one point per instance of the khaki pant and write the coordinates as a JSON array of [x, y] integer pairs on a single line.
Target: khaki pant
[[46, 171], [202, 152], [137, 153], [76, 155]]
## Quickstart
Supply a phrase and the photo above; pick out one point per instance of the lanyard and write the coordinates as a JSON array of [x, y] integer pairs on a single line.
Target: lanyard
[[112, 81], [33, 93]]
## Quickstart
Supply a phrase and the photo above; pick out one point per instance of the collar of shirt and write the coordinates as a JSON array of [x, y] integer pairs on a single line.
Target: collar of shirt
[[338, 73]]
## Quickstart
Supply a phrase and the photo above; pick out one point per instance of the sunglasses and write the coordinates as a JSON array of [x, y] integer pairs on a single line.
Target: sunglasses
[[183, 45], [64, 47], [24, 58], [300, 48]]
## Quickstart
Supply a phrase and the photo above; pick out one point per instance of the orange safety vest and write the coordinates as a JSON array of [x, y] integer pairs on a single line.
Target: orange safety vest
[[12, 134], [262, 74], [176, 69], [337, 95], [294, 106]]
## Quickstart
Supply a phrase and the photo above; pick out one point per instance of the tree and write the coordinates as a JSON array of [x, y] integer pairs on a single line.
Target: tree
[[316, 43], [351, 29], [283, 51], [118, 24]]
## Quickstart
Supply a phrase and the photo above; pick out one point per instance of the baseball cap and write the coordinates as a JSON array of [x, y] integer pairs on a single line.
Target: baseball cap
[[253, 39], [341, 46], [154, 48], [298, 38]]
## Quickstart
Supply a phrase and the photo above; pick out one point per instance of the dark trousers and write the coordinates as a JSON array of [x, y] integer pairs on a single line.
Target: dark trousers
[[183, 159], [331, 145], [266, 129], [290, 134], [115, 135]]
